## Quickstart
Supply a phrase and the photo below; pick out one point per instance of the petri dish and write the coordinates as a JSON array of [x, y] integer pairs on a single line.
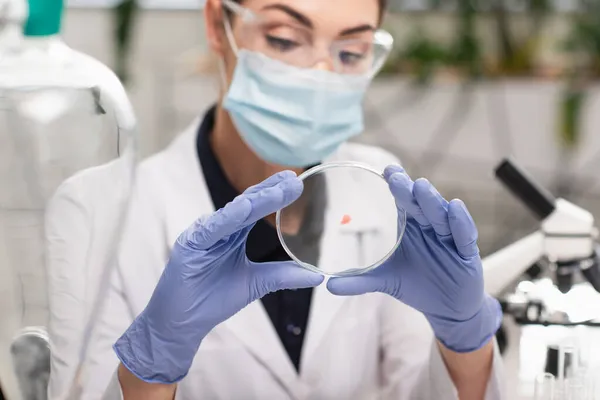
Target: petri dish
[[346, 222]]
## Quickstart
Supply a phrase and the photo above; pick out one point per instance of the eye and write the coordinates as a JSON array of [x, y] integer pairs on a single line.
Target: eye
[[281, 44], [351, 58]]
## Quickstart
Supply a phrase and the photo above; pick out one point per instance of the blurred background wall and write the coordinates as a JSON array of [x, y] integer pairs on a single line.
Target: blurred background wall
[[479, 97]]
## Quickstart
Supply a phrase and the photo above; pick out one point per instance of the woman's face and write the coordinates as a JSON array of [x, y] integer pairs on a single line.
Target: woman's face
[[299, 32]]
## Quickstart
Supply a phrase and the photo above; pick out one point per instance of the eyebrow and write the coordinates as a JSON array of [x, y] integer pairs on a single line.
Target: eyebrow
[[358, 29], [304, 20], [301, 18]]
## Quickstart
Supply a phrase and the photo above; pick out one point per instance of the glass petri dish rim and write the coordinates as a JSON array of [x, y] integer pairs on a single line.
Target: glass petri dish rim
[[355, 271]]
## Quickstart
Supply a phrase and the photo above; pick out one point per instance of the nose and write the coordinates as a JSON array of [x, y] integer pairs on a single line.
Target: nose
[[322, 58], [324, 65]]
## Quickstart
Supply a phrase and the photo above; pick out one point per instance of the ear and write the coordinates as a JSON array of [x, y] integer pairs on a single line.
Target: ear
[[213, 20]]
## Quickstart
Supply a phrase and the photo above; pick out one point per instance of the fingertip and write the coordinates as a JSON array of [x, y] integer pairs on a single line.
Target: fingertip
[[236, 212], [392, 169], [399, 179], [457, 208], [295, 183], [401, 187], [460, 217], [240, 206], [287, 275], [287, 174], [292, 189], [208, 229], [422, 186], [333, 286], [312, 278], [317, 279], [464, 229], [349, 286], [271, 181], [307, 279]]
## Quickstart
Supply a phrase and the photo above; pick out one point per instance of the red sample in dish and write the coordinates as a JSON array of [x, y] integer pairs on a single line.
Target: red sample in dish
[[346, 219]]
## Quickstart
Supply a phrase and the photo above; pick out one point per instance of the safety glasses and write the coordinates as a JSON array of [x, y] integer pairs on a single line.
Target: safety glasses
[[292, 43]]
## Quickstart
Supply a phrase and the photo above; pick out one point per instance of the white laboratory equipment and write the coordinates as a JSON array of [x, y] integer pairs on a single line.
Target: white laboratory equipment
[[566, 238], [573, 380], [12, 17], [67, 160], [558, 308]]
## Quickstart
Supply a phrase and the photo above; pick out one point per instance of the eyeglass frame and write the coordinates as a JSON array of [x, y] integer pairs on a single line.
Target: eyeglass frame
[[381, 36]]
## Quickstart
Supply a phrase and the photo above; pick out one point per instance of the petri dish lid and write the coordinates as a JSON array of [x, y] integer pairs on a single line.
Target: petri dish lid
[[346, 222]]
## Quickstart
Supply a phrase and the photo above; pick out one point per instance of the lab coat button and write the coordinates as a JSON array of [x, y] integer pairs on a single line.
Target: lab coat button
[[293, 329]]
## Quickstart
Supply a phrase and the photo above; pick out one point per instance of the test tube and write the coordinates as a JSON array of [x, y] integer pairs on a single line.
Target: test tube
[[545, 387], [590, 385], [568, 361], [590, 390], [575, 388]]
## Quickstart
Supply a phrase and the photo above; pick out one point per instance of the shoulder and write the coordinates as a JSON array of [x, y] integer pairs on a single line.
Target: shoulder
[[150, 170], [151, 185], [175, 163], [148, 181], [374, 156], [168, 183]]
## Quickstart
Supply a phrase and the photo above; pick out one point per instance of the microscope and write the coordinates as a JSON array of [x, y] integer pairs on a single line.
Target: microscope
[[549, 283], [562, 252]]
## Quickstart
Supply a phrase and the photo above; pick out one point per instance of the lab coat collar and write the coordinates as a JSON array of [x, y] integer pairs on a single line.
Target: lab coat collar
[[252, 325]]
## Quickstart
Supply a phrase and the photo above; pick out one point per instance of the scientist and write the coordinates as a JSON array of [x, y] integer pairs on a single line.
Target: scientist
[[230, 316]]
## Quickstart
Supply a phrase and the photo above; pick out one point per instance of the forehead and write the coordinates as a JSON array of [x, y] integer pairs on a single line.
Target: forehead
[[328, 14]]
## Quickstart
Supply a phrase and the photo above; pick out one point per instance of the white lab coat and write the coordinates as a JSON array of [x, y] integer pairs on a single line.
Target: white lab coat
[[83, 222], [362, 347]]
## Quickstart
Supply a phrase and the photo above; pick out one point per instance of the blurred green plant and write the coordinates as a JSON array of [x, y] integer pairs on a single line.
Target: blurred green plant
[[465, 51], [124, 17], [423, 57], [570, 114], [582, 49], [582, 45], [517, 55], [571, 109]]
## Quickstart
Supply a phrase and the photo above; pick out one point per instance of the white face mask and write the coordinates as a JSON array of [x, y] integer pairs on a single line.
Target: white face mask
[[292, 116]]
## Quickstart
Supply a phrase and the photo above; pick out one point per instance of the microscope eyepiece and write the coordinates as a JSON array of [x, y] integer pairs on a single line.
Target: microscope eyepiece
[[519, 183]]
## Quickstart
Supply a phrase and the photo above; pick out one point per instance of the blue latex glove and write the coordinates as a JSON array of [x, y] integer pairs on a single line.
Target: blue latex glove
[[436, 270], [207, 280]]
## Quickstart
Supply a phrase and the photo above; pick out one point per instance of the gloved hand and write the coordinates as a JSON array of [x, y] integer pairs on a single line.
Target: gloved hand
[[207, 280], [436, 270]]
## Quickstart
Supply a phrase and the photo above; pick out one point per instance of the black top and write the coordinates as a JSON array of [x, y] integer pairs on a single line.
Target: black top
[[287, 309]]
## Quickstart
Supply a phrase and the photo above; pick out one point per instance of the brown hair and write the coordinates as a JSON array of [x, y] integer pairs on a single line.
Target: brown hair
[[382, 7]]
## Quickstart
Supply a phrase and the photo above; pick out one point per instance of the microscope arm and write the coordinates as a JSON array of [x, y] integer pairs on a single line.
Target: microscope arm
[[567, 234], [503, 267]]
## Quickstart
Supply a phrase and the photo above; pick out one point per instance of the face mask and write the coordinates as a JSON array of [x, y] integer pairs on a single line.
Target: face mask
[[293, 116]]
